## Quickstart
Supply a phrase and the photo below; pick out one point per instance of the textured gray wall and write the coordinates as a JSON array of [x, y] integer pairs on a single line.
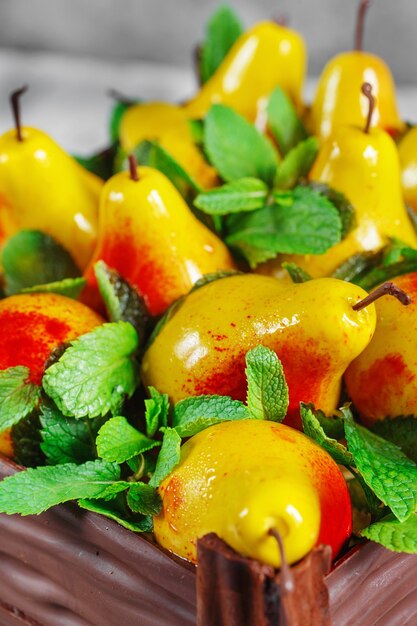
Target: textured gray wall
[[166, 30]]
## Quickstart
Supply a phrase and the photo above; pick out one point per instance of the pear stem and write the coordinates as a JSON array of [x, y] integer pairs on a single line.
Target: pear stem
[[367, 91], [287, 578], [387, 289], [363, 8], [119, 97], [281, 20], [133, 168], [15, 104]]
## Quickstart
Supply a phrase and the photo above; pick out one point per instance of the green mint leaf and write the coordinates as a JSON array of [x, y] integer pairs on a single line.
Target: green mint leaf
[[26, 439], [309, 225], [284, 122], [210, 278], [354, 268], [223, 29], [66, 439], [117, 441], [111, 510], [236, 148], [154, 155], [34, 258], [144, 499], [18, 396], [197, 131], [122, 301], [314, 430], [297, 163], [340, 202], [96, 372], [245, 194], [297, 274], [99, 163], [385, 469], [402, 431], [33, 491], [393, 534], [333, 426], [195, 414], [119, 109], [168, 458], [156, 411], [267, 396], [69, 287], [382, 273]]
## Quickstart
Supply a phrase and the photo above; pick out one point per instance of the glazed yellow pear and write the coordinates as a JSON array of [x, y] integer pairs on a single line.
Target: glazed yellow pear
[[311, 327], [242, 479], [43, 188], [266, 56], [382, 380], [407, 150], [169, 124], [363, 165], [152, 239], [338, 100]]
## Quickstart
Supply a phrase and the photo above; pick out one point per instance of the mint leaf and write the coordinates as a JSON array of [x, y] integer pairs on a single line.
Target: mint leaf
[[340, 202], [393, 534], [304, 222], [384, 468], [236, 148], [382, 273], [136, 523], [355, 266], [267, 396], [117, 441], [26, 440], [245, 194], [156, 411], [402, 431], [122, 301], [284, 122], [34, 258], [33, 491], [297, 274], [99, 163], [297, 163], [66, 439], [119, 109], [195, 414], [223, 29], [313, 429], [69, 287], [18, 396], [168, 458], [154, 155], [144, 499], [96, 372]]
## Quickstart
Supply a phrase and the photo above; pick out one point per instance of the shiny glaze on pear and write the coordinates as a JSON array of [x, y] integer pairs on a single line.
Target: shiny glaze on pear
[[382, 380], [266, 56], [364, 167], [152, 239], [43, 188], [407, 150], [311, 327]]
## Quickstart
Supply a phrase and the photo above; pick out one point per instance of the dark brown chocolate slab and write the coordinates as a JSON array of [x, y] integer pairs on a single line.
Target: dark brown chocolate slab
[[69, 567]]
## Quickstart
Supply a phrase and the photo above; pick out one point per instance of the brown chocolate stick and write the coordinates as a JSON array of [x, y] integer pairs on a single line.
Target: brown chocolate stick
[[387, 289], [363, 8], [15, 104]]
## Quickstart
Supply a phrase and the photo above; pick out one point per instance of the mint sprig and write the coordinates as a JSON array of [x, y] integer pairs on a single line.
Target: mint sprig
[[117, 441], [313, 429], [192, 415], [33, 491], [18, 396], [169, 456], [244, 194], [236, 148], [144, 499], [96, 372], [402, 431], [156, 411], [267, 396], [393, 534], [297, 163], [69, 287], [222, 30], [112, 510], [284, 122]]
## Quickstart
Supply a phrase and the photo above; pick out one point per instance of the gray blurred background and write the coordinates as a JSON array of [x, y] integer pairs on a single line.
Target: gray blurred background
[[75, 49]]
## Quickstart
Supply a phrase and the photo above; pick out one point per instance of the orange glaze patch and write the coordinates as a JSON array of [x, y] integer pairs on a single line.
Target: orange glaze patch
[[27, 339], [381, 383]]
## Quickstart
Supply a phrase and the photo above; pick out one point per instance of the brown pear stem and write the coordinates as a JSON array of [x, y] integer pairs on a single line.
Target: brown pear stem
[[367, 91], [281, 20], [133, 167], [15, 104], [387, 289], [287, 578], [360, 20], [119, 97]]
